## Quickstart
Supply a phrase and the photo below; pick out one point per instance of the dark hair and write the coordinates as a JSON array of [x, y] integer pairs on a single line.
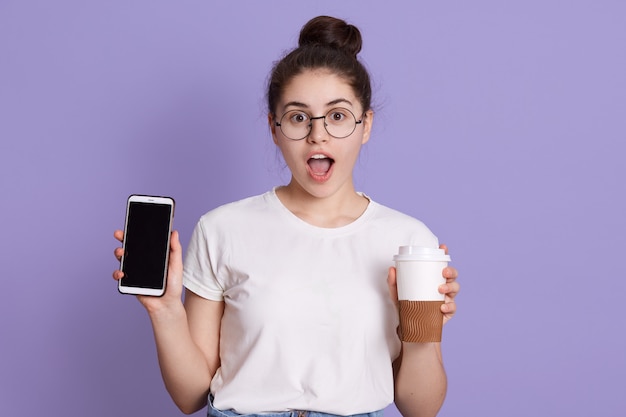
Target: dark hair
[[325, 42]]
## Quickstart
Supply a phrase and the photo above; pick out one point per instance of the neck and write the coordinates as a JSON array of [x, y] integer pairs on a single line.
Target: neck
[[335, 210]]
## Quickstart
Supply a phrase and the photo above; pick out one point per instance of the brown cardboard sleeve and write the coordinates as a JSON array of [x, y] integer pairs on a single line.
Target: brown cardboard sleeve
[[420, 321]]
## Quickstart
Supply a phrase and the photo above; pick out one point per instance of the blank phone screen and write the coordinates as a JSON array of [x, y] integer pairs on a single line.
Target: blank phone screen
[[146, 245]]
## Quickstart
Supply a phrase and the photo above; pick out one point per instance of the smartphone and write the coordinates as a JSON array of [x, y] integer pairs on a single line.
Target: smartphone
[[146, 244]]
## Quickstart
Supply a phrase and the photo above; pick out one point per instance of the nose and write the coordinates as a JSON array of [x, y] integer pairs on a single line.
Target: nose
[[318, 131]]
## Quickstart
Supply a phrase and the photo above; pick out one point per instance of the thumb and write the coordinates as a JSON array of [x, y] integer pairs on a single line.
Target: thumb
[[175, 267], [393, 287]]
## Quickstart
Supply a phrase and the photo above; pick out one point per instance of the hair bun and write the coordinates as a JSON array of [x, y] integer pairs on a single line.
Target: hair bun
[[331, 32]]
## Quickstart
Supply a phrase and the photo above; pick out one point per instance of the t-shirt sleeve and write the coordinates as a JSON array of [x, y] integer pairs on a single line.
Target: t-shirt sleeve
[[198, 273], [423, 236], [407, 230]]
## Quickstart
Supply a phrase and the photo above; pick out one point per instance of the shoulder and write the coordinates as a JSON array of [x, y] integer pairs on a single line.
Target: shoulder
[[392, 216], [401, 225], [240, 214], [244, 207]]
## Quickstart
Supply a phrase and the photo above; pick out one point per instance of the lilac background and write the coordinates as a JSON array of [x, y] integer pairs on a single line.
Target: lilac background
[[500, 124]]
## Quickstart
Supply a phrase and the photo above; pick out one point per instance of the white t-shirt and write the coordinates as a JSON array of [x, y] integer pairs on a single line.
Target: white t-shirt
[[308, 322]]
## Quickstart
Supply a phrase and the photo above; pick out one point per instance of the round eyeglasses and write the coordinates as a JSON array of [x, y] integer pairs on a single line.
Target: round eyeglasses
[[338, 122]]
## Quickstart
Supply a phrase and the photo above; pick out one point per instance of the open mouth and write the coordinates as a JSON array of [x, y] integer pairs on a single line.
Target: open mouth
[[320, 164]]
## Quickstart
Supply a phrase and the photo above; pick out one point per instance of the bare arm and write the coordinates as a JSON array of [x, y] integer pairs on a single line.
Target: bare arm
[[420, 380], [419, 375], [186, 336], [187, 342]]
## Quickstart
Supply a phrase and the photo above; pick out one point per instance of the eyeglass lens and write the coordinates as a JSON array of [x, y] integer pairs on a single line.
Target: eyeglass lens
[[338, 122]]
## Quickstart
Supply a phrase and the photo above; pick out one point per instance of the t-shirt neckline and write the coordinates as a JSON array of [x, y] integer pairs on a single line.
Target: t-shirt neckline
[[326, 230]]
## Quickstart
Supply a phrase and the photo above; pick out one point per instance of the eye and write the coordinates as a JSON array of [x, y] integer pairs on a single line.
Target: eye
[[338, 115], [297, 117]]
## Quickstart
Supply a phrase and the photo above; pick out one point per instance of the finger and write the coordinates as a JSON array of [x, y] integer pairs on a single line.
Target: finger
[[450, 273], [450, 289], [391, 281], [117, 275], [118, 252], [175, 267], [176, 249], [119, 235], [444, 247], [449, 308]]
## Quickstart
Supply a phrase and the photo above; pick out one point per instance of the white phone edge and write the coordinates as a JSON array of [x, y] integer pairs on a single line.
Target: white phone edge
[[138, 198]]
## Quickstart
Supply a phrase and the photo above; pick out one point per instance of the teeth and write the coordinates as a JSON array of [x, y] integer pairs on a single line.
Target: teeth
[[319, 156]]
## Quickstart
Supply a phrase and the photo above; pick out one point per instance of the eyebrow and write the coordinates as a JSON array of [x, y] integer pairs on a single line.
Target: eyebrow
[[306, 106]]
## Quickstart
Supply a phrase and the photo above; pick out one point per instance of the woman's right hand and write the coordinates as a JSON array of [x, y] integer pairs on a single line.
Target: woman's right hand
[[174, 285]]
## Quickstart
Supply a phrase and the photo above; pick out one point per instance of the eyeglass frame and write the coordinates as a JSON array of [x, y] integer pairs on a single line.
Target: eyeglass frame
[[310, 125]]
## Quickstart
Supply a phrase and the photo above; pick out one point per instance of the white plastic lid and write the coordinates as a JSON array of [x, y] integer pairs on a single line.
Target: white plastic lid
[[420, 253]]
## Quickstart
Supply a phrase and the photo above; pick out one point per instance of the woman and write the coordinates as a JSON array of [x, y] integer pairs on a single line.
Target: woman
[[287, 308]]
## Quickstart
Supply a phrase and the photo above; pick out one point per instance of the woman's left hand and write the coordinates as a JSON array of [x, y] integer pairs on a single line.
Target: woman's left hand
[[450, 289]]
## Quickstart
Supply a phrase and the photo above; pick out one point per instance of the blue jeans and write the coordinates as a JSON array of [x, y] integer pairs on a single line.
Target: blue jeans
[[214, 412]]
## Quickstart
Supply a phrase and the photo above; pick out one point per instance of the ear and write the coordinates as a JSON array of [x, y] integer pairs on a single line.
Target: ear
[[270, 121], [368, 121]]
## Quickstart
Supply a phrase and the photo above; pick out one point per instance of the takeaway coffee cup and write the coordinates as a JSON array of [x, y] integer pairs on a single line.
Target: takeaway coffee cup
[[419, 275]]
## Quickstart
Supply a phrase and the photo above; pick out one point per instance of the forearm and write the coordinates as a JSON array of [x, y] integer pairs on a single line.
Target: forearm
[[186, 373], [420, 381]]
